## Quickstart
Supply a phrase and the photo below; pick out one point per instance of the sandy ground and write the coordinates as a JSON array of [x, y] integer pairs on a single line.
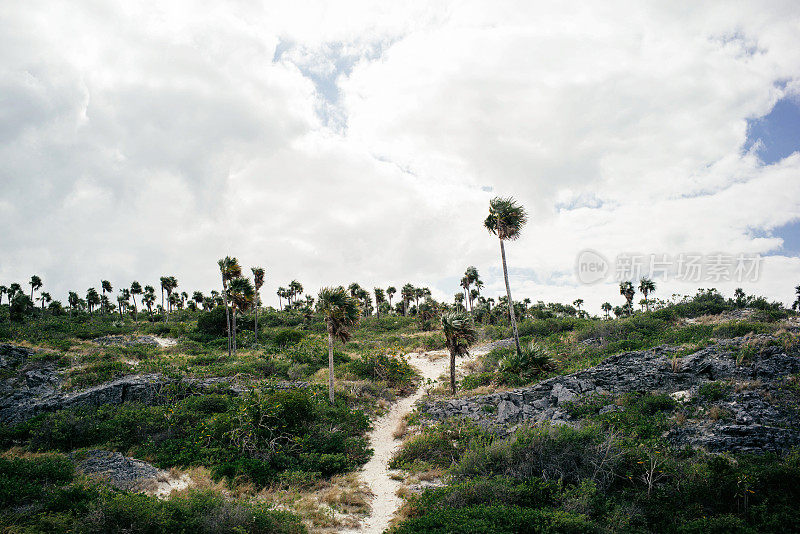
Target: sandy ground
[[376, 472]]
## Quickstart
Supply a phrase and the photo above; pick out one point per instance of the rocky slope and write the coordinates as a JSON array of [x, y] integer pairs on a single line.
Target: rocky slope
[[29, 388], [754, 408]]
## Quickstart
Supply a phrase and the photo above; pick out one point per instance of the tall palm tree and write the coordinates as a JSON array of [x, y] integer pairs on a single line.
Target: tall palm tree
[[458, 299], [35, 283], [606, 307], [241, 295], [578, 303], [505, 220], [136, 289], [258, 281], [173, 284], [105, 286], [3, 291], [229, 269], [390, 291], [197, 297], [164, 285], [407, 292], [626, 290], [72, 300], [380, 298], [123, 300], [646, 286], [341, 313], [459, 334], [295, 289], [13, 289]]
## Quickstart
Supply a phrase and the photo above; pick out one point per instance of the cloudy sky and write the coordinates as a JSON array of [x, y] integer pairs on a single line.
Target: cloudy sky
[[361, 141]]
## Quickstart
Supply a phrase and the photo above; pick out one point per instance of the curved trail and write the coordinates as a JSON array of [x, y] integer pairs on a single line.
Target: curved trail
[[376, 472]]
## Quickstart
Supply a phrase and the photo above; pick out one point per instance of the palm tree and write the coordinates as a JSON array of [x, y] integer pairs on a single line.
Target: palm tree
[[241, 294], [646, 286], [380, 298], [123, 300], [258, 280], [92, 298], [184, 296], [197, 297], [35, 283], [295, 289], [606, 307], [13, 289], [281, 292], [390, 291], [407, 293], [459, 333], [505, 220], [458, 299], [341, 313], [149, 299], [795, 304], [105, 286], [229, 269], [72, 300], [626, 290], [164, 285], [173, 284], [45, 298], [136, 289], [3, 291]]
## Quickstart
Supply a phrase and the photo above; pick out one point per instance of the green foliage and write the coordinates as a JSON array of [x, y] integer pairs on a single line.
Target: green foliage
[[396, 372], [518, 369], [212, 323], [715, 391], [543, 328], [740, 328], [286, 336], [254, 437], [40, 494], [439, 445]]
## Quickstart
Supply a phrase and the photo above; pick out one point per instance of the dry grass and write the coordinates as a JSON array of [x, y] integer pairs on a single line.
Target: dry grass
[[680, 418], [401, 430], [716, 412]]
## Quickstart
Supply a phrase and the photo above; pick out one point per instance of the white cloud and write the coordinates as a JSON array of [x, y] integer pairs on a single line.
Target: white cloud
[[141, 138]]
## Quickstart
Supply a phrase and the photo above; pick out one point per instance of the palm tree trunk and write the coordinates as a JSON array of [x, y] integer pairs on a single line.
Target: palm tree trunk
[[233, 330], [510, 301], [227, 315], [330, 366], [255, 326], [453, 372]]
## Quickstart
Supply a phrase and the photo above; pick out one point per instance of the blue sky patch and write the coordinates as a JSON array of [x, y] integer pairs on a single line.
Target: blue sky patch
[[777, 133]]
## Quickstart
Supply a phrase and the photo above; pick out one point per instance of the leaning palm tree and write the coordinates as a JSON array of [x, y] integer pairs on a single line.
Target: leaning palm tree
[[459, 334], [229, 269], [505, 220], [136, 289], [258, 281], [646, 286], [35, 283], [341, 313], [241, 294]]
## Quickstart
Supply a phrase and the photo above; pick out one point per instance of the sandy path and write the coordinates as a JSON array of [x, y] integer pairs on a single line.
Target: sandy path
[[376, 472]]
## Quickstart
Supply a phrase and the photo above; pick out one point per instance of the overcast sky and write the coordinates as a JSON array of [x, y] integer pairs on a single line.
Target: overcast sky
[[361, 141]]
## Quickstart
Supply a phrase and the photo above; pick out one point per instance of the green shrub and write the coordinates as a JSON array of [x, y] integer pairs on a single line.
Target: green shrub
[[476, 380], [496, 519], [287, 336], [714, 391], [518, 369], [439, 445], [741, 328], [396, 372], [213, 322]]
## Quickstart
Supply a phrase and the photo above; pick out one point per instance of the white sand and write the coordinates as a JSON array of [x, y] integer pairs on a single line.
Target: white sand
[[376, 472]]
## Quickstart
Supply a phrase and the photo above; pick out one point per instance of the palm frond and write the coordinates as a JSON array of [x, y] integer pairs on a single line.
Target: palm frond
[[506, 218]]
